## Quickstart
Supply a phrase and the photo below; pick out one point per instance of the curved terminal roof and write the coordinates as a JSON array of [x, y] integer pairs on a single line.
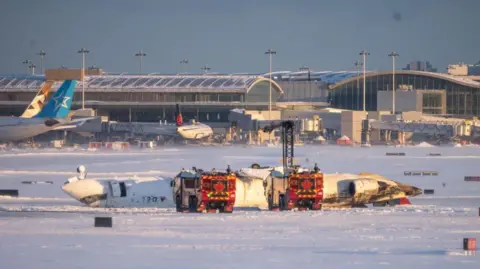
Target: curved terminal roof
[[454, 79], [21, 82], [337, 78], [329, 77], [210, 82], [157, 83]]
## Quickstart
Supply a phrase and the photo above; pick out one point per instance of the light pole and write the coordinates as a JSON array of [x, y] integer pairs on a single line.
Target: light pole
[[83, 51], [27, 62], [184, 62], [305, 68], [32, 67], [206, 68], [42, 55], [364, 54], [394, 55], [141, 54], [270, 52], [357, 67]]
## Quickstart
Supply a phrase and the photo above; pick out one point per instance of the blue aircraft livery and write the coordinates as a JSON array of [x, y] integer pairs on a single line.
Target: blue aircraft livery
[[59, 105]]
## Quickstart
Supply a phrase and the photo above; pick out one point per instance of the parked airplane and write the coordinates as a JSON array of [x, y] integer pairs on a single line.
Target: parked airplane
[[340, 190], [194, 130], [53, 116]]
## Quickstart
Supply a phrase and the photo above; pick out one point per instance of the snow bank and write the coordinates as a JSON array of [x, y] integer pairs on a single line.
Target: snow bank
[[424, 145]]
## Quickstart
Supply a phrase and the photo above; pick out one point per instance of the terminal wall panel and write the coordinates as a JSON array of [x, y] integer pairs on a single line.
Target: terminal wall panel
[[404, 101], [351, 124], [412, 115]]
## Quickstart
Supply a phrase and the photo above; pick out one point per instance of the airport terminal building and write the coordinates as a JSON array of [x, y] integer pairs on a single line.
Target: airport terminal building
[[430, 93], [151, 98], [210, 97], [427, 92]]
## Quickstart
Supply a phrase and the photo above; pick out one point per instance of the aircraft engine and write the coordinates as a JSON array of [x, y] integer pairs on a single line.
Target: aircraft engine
[[51, 122], [363, 186]]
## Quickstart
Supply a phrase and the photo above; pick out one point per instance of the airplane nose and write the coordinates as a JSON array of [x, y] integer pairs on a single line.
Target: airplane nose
[[86, 191], [181, 131], [410, 190], [417, 191]]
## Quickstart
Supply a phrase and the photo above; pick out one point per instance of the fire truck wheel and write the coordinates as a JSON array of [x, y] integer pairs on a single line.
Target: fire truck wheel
[[192, 204], [282, 203], [222, 210], [270, 203], [178, 203]]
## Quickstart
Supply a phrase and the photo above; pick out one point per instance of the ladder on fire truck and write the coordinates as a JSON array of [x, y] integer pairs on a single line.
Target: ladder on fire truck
[[288, 141], [309, 197]]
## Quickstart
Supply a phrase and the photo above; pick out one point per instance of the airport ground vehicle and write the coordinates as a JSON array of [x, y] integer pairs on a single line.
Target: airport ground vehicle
[[292, 187], [200, 191], [297, 189]]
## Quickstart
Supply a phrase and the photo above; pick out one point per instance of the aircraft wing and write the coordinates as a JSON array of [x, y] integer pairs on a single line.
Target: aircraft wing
[[70, 124], [389, 198]]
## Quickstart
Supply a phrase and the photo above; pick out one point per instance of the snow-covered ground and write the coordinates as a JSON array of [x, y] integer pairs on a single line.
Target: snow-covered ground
[[44, 228]]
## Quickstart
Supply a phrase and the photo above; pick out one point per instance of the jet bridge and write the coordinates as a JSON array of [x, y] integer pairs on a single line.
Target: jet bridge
[[430, 128]]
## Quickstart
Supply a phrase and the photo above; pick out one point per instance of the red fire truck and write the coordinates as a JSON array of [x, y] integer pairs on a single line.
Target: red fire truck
[[305, 190], [298, 189], [292, 188], [200, 191]]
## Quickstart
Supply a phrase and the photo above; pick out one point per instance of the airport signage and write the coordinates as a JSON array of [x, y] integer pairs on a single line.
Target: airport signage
[[428, 191], [472, 178], [420, 173], [395, 154]]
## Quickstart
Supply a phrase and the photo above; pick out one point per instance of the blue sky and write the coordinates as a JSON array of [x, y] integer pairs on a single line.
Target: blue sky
[[232, 36]]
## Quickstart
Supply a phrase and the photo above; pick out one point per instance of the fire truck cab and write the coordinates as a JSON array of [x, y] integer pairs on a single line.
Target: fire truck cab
[[200, 191], [300, 189]]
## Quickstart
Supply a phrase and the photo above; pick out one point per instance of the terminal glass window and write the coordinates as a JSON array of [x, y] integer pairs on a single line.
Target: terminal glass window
[[15, 82], [25, 83], [208, 82], [129, 82], [152, 82], [228, 83], [106, 82], [460, 99], [197, 82], [185, 82], [140, 82], [95, 82], [36, 84], [219, 82], [4, 82], [174, 82], [163, 82], [432, 100], [118, 82]]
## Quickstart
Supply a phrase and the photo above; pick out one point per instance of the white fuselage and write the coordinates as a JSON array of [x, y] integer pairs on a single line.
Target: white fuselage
[[109, 193], [250, 191], [14, 129], [195, 131]]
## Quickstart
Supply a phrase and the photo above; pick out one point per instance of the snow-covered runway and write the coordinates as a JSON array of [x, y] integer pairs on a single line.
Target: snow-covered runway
[[44, 228]]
